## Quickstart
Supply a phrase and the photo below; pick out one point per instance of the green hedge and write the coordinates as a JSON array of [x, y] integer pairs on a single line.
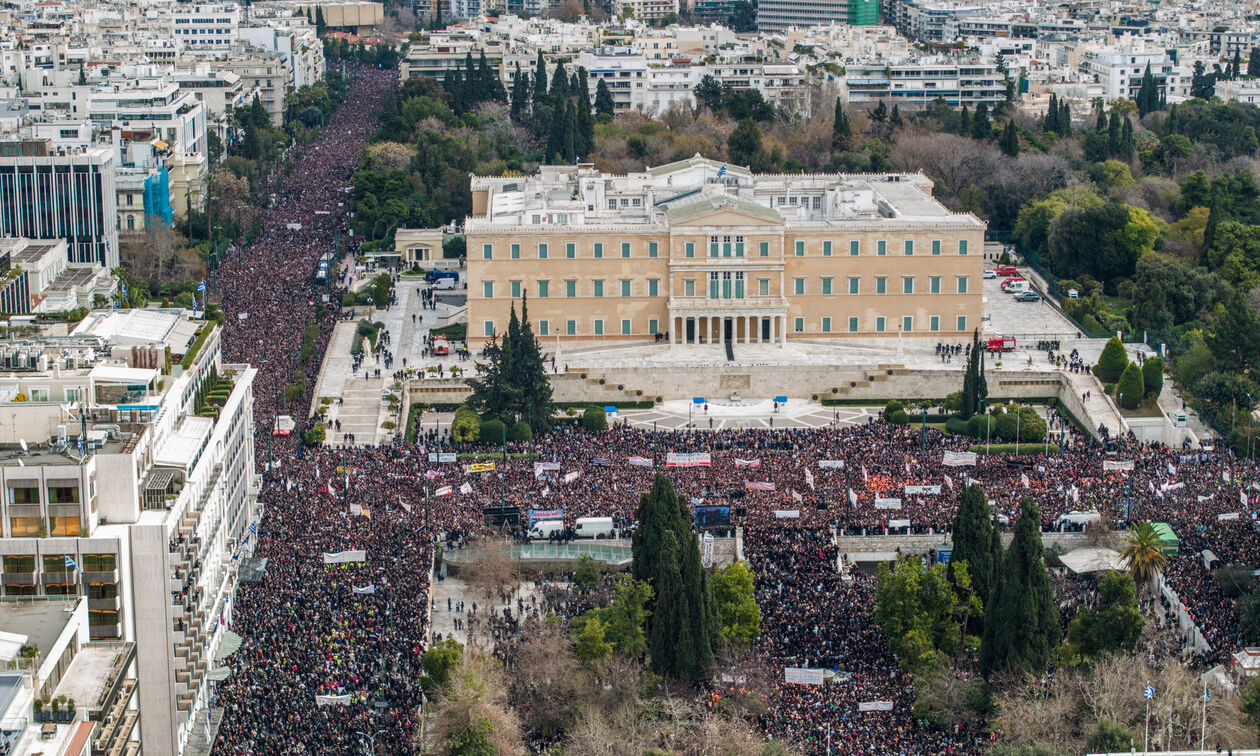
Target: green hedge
[[198, 342], [1028, 448], [954, 425], [898, 417]]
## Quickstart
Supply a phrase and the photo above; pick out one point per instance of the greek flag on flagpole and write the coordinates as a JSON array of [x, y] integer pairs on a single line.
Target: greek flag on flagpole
[[1148, 693], [70, 565], [721, 171], [201, 287], [1207, 694], [253, 529]]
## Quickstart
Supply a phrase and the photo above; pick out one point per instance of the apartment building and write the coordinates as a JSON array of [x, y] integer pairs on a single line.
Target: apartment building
[[269, 77], [68, 194], [205, 25], [915, 84], [779, 15], [129, 480], [1120, 70], [705, 252], [648, 10]]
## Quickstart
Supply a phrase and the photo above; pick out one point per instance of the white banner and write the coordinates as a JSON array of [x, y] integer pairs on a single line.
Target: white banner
[[910, 490], [898, 523], [465, 488], [836, 463], [809, 478], [803, 676], [332, 700], [958, 459], [356, 510], [787, 514], [881, 503], [1172, 486], [1229, 516], [758, 485], [542, 467], [366, 590], [345, 557], [747, 462], [572, 476], [875, 706], [443, 457], [852, 498], [640, 462], [1118, 464], [443, 491], [693, 459]]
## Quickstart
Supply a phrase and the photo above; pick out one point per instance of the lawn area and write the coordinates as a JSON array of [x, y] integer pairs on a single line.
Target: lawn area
[[1148, 408]]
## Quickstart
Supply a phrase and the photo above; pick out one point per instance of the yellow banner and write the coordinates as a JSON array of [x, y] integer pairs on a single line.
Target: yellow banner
[[479, 467]]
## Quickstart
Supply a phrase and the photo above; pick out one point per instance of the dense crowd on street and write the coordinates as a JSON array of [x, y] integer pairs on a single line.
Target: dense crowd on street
[[331, 651]]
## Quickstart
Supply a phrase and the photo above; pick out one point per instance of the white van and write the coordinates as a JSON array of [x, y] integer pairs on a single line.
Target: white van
[[1017, 286], [545, 529], [444, 283], [1078, 519], [594, 527]]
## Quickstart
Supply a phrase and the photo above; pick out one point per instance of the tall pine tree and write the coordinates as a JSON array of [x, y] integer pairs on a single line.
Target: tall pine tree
[[520, 93], [981, 128], [539, 81], [841, 130], [1010, 140], [1021, 622], [973, 541], [585, 139], [604, 104]]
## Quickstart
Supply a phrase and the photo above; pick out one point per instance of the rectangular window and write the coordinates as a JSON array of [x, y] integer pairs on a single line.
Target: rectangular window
[[652, 249], [962, 284], [909, 247], [599, 250], [855, 247], [936, 246], [544, 328], [542, 251], [570, 327], [597, 288], [689, 287], [907, 324], [654, 288], [625, 327], [881, 285], [487, 251], [798, 325], [65, 527], [826, 286], [934, 323], [515, 252], [516, 289], [625, 249], [962, 246], [653, 326], [798, 285], [19, 564], [853, 324], [907, 285], [935, 284], [764, 249], [726, 246], [570, 250], [826, 325], [763, 287], [826, 249], [544, 289], [599, 328], [625, 288], [739, 246], [713, 246], [879, 324], [800, 249], [689, 249], [881, 247], [487, 328], [99, 562], [487, 289], [570, 289], [962, 323]]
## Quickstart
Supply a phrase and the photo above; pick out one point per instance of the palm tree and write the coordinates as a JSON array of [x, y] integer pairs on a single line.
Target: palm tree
[[1144, 553]]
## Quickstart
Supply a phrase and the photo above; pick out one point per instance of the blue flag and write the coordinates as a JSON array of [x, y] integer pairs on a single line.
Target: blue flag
[[1207, 694], [70, 565], [1148, 693], [201, 286], [721, 171]]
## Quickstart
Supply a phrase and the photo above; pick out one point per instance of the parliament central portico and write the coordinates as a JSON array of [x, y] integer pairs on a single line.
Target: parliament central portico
[[706, 253]]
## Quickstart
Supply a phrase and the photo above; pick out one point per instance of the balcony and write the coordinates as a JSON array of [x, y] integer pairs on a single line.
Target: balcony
[[105, 632], [684, 306], [18, 578]]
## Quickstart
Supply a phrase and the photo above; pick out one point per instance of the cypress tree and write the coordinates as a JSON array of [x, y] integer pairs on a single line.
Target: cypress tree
[[520, 92], [1215, 211], [980, 126], [973, 541], [320, 24], [559, 86], [1236, 65], [667, 645], [1127, 141], [1065, 119], [1051, 121], [841, 131], [603, 100], [1253, 63], [531, 374], [1021, 622], [964, 122], [1148, 93], [585, 120], [539, 81], [571, 136], [555, 140], [1100, 122], [1010, 140], [1113, 134]]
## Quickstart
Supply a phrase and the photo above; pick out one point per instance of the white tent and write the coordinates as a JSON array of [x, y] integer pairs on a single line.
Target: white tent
[[1084, 560]]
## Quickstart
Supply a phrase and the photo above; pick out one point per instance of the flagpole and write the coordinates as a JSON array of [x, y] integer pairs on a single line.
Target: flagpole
[[1203, 722], [1146, 740]]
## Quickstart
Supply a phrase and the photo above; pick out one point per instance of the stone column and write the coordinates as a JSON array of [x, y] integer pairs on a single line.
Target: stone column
[[783, 332]]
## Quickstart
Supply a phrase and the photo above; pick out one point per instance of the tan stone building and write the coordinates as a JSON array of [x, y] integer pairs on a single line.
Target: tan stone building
[[705, 252]]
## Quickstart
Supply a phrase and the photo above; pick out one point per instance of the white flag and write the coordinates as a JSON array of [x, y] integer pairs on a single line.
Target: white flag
[[1023, 478], [796, 496], [809, 478], [331, 492], [570, 477], [864, 476], [466, 488], [852, 497], [949, 482]]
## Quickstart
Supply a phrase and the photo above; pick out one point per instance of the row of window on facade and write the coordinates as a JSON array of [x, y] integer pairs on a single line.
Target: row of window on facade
[[729, 284], [879, 324], [724, 246]]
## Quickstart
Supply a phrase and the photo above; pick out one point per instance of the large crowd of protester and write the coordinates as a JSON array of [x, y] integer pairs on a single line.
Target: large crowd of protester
[[330, 660]]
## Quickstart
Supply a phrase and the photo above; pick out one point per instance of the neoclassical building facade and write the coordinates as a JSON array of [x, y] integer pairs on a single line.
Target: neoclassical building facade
[[700, 252]]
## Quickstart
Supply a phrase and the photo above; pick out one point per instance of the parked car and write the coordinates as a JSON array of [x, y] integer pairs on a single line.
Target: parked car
[[1006, 270], [1028, 296], [1008, 283], [990, 274]]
